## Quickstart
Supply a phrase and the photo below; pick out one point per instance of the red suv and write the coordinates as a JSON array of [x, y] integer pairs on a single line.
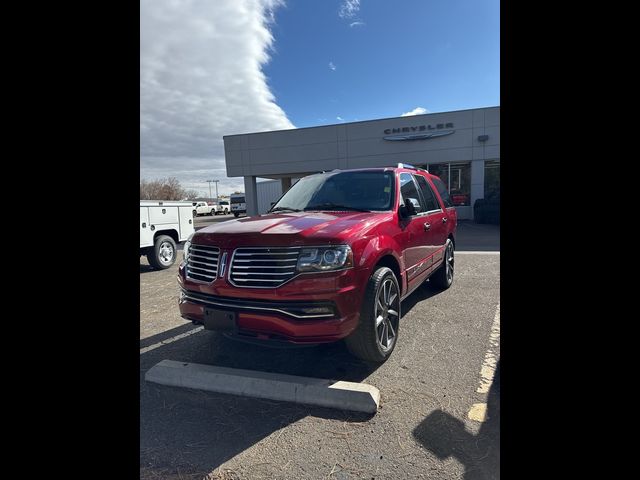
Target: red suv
[[331, 260]]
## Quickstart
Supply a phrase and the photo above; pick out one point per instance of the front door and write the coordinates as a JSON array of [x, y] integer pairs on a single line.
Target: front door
[[417, 252]]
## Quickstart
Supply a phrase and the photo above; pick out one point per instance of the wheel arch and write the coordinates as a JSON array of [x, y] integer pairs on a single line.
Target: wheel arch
[[390, 261], [169, 233]]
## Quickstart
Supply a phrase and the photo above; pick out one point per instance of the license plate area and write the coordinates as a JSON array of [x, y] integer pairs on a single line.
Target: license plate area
[[221, 320]]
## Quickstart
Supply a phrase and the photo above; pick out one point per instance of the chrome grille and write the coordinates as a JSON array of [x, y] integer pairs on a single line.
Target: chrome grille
[[267, 267], [202, 263]]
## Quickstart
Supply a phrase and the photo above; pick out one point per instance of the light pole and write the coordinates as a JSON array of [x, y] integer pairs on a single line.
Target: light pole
[[209, 182], [216, 182]]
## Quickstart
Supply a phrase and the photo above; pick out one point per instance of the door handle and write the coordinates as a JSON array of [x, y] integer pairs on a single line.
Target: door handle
[[444, 219], [427, 226]]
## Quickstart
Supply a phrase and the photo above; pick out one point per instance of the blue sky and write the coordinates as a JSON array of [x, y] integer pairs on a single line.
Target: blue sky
[[439, 55], [210, 68]]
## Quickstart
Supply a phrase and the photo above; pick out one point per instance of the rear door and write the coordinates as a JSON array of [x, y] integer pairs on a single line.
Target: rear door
[[416, 249], [186, 222], [436, 220]]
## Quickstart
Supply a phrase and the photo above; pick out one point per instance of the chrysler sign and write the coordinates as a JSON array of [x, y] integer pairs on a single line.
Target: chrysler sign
[[420, 132]]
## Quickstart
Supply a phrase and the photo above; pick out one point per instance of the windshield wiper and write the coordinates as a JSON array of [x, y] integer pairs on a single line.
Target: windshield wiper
[[334, 206], [283, 209]]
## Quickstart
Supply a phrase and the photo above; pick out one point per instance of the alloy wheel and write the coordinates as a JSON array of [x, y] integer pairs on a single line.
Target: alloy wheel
[[386, 314]]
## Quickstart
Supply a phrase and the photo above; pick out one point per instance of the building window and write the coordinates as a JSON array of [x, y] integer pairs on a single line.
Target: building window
[[457, 178], [491, 178]]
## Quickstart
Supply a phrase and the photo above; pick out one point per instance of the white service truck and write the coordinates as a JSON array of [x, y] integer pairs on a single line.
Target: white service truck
[[164, 224]]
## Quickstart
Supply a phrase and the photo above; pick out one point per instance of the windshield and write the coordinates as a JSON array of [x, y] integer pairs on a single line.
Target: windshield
[[357, 191]]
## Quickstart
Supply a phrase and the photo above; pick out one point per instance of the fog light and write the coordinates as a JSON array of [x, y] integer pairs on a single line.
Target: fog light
[[317, 310]]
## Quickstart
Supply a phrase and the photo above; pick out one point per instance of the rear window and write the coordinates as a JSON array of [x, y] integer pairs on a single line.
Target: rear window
[[442, 190], [237, 200], [427, 194]]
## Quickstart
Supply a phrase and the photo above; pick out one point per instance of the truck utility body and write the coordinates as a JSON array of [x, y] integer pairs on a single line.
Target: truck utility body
[[163, 225]]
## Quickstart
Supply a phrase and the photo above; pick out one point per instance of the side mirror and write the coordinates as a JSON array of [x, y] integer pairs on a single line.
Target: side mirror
[[273, 203], [408, 209], [410, 206]]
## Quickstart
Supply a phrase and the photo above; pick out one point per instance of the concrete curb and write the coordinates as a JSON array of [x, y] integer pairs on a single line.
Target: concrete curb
[[359, 397]]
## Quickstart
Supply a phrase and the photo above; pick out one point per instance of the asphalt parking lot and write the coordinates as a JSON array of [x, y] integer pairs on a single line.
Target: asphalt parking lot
[[429, 388]]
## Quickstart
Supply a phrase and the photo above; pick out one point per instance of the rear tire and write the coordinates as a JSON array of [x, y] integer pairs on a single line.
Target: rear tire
[[163, 253], [236, 214], [195, 213], [377, 333], [443, 277]]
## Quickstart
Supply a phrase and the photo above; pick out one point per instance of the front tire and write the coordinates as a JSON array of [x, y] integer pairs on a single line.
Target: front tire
[[377, 333], [236, 214], [443, 277], [163, 253]]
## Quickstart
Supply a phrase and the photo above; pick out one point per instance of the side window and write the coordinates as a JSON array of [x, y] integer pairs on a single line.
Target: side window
[[427, 194], [409, 192], [442, 190]]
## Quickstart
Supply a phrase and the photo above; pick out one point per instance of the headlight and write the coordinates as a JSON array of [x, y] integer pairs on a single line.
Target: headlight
[[187, 246], [321, 259]]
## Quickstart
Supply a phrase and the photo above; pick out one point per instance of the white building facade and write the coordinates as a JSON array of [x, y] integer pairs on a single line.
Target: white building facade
[[461, 147]]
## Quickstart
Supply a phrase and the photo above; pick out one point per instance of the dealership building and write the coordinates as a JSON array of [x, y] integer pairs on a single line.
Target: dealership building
[[461, 147]]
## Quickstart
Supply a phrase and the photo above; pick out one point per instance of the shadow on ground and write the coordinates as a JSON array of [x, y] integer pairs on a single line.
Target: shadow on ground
[[445, 436], [187, 433]]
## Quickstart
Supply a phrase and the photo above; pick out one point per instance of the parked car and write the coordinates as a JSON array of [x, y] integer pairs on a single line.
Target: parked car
[[238, 205], [162, 226], [460, 199], [331, 260], [487, 210], [222, 207], [203, 208]]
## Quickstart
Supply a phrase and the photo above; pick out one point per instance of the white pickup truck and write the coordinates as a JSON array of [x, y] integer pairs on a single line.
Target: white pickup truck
[[203, 208], [162, 226]]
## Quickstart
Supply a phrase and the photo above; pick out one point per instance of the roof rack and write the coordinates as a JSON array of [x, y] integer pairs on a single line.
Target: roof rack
[[410, 167]]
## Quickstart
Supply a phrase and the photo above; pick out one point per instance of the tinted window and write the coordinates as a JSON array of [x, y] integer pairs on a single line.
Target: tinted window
[[442, 190], [427, 194], [363, 190], [409, 192], [237, 200]]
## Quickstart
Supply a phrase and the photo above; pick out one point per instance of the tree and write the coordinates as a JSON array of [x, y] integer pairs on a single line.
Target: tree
[[162, 189], [191, 195]]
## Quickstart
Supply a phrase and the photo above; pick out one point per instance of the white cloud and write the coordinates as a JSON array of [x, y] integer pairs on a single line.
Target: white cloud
[[201, 78], [340, 118], [415, 111], [332, 66], [356, 24], [349, 8]]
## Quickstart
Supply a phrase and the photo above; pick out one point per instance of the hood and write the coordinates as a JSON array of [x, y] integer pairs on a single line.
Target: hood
[[290, 229]]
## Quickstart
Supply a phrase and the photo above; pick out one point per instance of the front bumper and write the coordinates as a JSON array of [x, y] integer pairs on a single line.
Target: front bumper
[[315, 308]]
